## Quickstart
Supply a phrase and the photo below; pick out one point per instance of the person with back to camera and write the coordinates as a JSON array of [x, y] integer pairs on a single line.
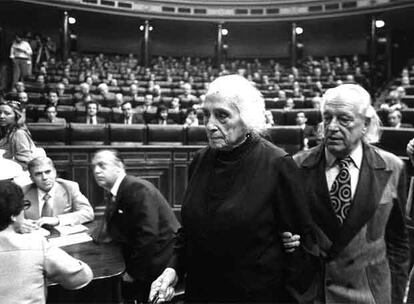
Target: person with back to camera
[[15, 138], [28, 261], [242, 192]]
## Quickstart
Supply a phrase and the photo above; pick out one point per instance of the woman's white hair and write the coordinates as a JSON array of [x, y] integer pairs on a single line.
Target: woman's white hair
[[358, 95], [248, 100]]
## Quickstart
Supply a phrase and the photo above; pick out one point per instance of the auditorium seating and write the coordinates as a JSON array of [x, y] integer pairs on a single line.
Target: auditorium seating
[[196, 135], [127, 135], [288, 118], [289, 138], [48, 134], [171, 135], [395, 140], [84, 134]]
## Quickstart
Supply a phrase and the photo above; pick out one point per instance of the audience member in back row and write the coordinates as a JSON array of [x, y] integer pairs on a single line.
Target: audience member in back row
[[91, 114], [54, 201], [394, 120], [138, 218], [29, 262], [51, 116], [242, 191], [128, 117], [21, 55], [15, 138]]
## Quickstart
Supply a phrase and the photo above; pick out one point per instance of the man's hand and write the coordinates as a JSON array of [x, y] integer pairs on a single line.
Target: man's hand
[[290, 241], [162, 289], [26, 227], [48, 220]]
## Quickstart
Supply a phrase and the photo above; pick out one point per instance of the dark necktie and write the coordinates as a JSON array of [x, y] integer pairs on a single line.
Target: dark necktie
[[341, 194], [101, 234], [47, 209]]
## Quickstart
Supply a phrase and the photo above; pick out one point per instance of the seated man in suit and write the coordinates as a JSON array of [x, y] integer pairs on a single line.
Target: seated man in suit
[[128, 117], [91, 117], [309, 134], [54, 201], [187, 99], [51, 115], [394, 120]]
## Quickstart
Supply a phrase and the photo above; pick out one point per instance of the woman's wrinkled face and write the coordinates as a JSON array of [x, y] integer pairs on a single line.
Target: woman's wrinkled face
[[7, 116], [224, 126]]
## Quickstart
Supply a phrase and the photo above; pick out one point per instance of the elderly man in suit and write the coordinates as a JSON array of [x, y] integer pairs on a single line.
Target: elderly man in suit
[[54, 201], [139, 218], [357, 196]]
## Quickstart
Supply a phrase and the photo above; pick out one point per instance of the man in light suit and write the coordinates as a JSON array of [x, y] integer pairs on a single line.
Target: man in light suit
[[361, 232], [138, 218], [54, 201]]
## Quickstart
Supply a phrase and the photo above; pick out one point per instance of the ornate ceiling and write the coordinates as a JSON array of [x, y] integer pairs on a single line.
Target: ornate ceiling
[[231, 10]]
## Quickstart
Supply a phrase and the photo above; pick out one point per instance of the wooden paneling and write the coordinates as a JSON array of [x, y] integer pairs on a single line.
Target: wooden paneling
[[165, 167]]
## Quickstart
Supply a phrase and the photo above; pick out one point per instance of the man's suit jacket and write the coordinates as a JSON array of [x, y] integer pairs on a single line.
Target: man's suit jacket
[[82, 119], [145, 225], [137, 118], [58, 120], [365, 260], [69, 204]]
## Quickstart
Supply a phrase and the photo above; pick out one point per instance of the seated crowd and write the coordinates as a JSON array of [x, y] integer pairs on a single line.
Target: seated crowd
[[177, 84]]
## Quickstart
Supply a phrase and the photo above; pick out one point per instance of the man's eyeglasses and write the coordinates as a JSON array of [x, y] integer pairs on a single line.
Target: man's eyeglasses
[[26, 204]]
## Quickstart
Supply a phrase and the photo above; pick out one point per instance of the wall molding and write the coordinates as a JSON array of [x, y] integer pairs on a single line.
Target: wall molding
[[231, 10]]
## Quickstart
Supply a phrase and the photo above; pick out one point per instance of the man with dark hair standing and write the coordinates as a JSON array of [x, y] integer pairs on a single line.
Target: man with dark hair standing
[[139, 218]]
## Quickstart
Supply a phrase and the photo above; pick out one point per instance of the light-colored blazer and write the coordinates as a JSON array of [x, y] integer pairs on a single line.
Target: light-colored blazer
[[69, 204], [365, 260], [31, 262]]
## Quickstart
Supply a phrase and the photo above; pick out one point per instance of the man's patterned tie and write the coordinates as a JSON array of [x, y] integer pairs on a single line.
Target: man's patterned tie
[[341, 195]]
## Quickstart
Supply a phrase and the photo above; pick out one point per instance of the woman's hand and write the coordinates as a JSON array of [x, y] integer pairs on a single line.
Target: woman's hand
[[162, 289], [290, 241]]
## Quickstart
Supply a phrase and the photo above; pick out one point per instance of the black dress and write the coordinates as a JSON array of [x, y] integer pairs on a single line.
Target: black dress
[[235, 205]]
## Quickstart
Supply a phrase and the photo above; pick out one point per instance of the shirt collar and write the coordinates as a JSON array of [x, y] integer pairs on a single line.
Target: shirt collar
[[51, 192], [355, 155], [115, 187]]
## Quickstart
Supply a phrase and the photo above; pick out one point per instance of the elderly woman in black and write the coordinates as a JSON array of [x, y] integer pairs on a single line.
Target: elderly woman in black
[[15, 138], [242, 191]]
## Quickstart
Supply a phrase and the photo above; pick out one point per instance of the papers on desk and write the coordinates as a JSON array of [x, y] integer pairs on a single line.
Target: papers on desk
[[66, 240], [42, 231], [70, 229]]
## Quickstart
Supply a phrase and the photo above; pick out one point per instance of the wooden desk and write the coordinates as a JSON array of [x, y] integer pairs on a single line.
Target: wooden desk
[[107, 264]]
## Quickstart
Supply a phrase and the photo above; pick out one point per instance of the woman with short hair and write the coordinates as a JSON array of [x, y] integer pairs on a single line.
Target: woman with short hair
[[28, 261]]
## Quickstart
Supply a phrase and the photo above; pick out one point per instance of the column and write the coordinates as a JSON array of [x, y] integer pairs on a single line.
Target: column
[[219, 51], [65, 36], [146, 43], [293, 41]]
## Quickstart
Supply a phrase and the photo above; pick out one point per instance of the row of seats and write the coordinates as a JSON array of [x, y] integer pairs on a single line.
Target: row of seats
[[288, 137]]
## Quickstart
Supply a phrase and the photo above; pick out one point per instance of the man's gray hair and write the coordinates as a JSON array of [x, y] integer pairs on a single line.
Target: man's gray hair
[[360, 96], [109, 155], [248, 100]]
